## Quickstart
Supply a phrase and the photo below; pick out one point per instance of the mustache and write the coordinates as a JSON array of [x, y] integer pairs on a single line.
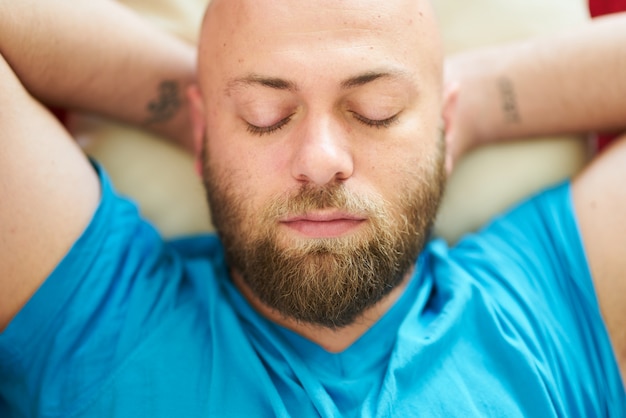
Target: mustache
[[333, 196]]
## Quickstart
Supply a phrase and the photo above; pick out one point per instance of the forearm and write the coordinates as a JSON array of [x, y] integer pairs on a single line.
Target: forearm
[[97, 56], [569, 83]]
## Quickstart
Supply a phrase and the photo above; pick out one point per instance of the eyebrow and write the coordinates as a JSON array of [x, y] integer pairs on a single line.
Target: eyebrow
[[259, 80], [283, 84], [368, 77]]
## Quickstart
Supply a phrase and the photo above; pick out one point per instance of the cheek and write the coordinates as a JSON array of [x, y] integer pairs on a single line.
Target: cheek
[[393, 156], [250, 174], [399, 163]]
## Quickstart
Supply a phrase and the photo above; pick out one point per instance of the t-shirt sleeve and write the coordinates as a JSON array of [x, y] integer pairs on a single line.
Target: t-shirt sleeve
[[540, 280], [98, 305]]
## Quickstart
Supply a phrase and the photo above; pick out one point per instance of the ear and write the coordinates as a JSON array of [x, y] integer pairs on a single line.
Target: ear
[[198, 123], [450, 96]]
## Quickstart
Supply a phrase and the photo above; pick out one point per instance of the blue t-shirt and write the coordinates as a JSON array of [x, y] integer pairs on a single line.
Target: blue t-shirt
[[505, 324]]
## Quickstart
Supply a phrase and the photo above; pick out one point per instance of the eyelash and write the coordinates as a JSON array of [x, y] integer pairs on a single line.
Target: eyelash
[[266, 130], [378, 124]]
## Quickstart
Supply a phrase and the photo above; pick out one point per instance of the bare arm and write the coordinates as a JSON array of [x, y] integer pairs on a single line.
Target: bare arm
[[91, 55], [570, 83], [574, 82], [48, 192], [98, 56], [600, 201]]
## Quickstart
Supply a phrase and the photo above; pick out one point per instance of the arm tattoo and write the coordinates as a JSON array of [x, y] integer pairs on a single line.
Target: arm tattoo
[[165, 106], [509, 100]]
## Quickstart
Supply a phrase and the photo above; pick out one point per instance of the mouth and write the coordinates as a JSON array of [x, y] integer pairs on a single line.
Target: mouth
[[323, 224]]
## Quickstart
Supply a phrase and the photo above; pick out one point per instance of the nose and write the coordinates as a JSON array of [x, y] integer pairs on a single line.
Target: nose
[[322, 153]]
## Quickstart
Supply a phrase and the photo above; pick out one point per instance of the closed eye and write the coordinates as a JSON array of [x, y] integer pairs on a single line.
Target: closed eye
[[266, 130], [376, 123]]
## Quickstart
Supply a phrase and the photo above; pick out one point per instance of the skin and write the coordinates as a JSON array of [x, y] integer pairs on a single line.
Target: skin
[[306, 72]]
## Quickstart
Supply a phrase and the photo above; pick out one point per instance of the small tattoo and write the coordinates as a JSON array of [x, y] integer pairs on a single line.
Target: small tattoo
[[509, 100], [165, 106]]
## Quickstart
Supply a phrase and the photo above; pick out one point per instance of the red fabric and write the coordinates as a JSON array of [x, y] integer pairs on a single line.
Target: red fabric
[[599, 8], [605, 7]]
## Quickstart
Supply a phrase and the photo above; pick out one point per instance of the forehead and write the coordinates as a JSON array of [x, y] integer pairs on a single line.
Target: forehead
[[265, 36]]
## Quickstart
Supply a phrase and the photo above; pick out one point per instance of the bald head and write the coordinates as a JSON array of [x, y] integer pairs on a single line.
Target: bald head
[[238, 34]]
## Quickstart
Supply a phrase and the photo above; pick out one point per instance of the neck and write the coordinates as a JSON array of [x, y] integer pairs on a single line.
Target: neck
[[332, 340]]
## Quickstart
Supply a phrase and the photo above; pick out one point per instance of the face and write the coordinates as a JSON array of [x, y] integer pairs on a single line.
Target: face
[[321, 147]]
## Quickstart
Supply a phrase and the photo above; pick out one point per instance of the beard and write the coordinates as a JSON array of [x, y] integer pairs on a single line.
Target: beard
[[327, 282]]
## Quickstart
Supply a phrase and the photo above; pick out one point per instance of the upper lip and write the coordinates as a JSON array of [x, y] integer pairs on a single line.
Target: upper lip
[[323, 217]]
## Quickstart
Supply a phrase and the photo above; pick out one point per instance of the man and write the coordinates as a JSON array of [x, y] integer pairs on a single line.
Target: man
[[317, 127]]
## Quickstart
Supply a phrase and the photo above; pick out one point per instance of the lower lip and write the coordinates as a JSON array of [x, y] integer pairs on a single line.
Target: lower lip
[[324, 229]]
